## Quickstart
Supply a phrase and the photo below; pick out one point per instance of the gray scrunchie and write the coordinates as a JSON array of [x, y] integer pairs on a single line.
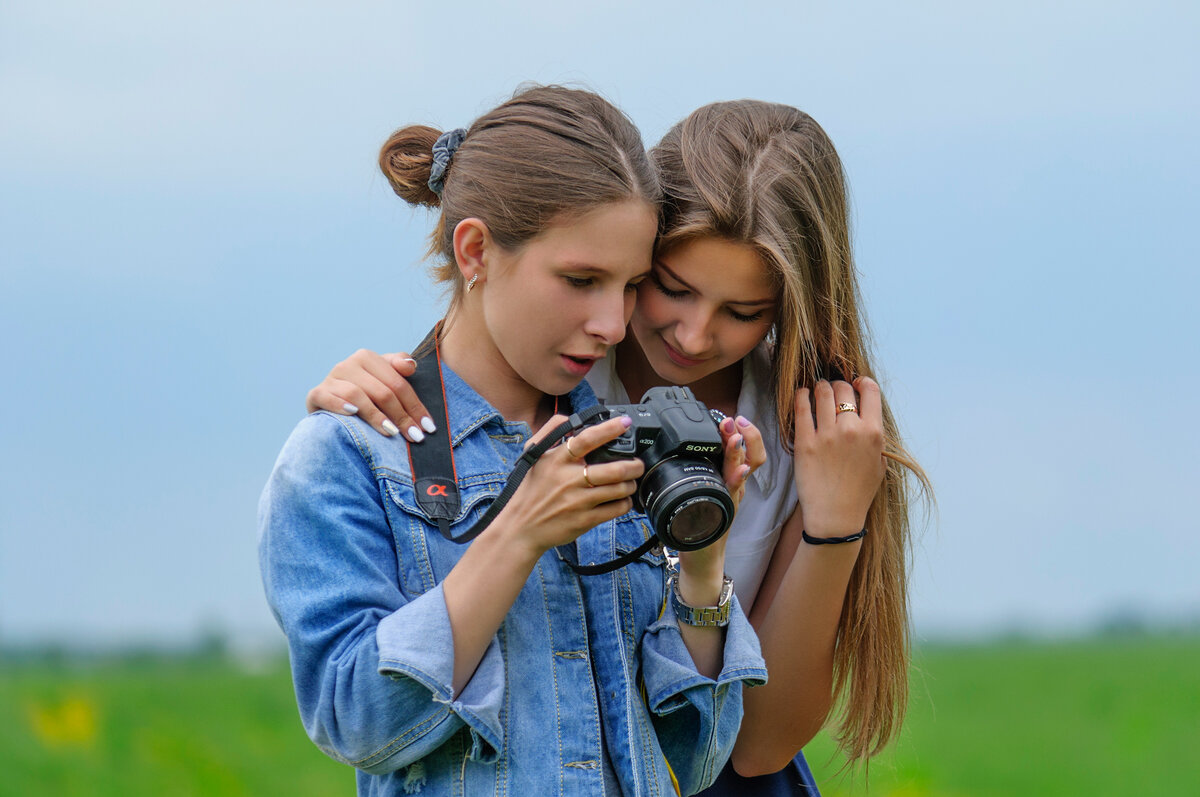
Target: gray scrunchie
[[443, 151]]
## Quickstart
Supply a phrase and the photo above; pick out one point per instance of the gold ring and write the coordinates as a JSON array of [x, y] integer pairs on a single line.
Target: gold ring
[[585, 476], [571, 453], [846, 407]]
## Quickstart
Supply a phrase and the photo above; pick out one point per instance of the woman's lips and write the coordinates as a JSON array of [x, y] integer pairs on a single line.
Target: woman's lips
[[674, 356], [578, 366]]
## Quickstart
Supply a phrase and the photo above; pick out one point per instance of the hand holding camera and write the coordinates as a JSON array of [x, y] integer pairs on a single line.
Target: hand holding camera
[[702, 570], [563, 495]]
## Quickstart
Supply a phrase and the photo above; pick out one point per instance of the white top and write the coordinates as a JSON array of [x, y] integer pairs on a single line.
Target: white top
[[770, 495]]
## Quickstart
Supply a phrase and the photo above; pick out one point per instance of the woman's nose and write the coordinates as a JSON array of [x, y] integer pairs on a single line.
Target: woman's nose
[[609, 318], [693, 333]]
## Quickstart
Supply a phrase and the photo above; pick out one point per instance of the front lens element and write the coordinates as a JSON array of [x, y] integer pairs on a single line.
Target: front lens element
[[687, 503], [697, 520]]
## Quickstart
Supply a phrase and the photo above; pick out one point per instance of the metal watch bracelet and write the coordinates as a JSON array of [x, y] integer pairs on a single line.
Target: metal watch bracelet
[[702, 616]]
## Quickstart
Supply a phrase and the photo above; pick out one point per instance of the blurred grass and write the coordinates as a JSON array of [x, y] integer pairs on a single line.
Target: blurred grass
[[162, 727], [1106, 716]]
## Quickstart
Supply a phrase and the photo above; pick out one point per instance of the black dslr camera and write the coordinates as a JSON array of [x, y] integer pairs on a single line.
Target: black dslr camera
[[682, 491]]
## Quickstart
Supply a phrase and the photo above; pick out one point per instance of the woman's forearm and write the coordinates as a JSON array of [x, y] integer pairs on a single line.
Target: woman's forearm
[[480, 590], [796, 615]]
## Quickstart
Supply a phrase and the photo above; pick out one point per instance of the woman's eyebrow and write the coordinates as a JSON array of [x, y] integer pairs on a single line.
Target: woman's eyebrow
[[754, 303], [674, 276], [591, 268], [684, 283]]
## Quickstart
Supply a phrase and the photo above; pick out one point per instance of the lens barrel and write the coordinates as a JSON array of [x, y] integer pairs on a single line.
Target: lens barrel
[[687, 503]]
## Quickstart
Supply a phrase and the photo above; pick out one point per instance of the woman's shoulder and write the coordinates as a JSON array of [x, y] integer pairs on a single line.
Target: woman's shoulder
[[324, 440]]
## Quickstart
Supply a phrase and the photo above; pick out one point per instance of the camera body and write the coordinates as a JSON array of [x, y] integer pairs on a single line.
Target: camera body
[[682, 491]]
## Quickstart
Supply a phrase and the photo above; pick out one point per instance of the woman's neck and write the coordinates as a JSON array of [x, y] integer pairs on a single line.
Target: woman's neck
[[718, 390], [468, 349]]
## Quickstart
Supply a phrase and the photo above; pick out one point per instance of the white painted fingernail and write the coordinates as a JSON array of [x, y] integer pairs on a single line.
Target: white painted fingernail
[[415, 434], [350, 408], [408, 360], [427, 423], [390, 429]]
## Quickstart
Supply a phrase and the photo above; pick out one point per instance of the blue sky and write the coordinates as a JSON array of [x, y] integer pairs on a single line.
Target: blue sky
[[192, 230]]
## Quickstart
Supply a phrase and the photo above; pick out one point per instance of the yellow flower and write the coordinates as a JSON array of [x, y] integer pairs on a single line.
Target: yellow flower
[[70, 722]]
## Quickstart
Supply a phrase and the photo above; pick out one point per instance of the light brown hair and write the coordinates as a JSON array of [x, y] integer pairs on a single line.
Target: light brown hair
[[767, 176], [544, 157]]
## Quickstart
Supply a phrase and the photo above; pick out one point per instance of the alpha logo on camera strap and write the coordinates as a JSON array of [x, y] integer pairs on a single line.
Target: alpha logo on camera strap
[[435, 478]]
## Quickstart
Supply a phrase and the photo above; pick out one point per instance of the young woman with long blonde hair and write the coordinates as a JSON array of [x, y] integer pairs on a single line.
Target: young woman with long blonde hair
[[753, 302]]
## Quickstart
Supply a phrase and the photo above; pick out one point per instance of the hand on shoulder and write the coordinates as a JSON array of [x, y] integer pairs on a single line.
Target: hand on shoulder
[[375, 388]]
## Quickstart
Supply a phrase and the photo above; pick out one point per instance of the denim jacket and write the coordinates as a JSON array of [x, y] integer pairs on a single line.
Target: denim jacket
[[587, 680]]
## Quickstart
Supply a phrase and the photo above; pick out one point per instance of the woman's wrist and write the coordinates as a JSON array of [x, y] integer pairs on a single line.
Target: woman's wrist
[[816, 526], [701, 586], [844, 539], [514, 539]]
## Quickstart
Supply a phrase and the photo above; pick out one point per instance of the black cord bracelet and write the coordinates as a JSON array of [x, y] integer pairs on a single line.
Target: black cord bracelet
[[832, 540]]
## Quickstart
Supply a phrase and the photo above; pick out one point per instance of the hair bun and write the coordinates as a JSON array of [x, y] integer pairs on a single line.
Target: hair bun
[[406, 160]]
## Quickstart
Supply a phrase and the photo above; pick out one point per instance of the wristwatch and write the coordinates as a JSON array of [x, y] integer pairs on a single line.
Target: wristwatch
[[702, 616]]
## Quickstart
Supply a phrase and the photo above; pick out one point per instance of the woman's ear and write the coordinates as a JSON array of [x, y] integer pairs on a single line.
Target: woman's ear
[[472, 239]]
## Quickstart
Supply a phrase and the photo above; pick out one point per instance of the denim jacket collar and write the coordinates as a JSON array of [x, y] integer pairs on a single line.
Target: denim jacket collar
[[468, 410]]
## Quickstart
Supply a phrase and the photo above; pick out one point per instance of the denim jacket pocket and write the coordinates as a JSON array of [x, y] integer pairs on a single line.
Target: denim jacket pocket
[[423, 555]]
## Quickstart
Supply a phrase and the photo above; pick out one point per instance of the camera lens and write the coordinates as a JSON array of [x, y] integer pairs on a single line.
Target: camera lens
[[697, 520], [687, 503]]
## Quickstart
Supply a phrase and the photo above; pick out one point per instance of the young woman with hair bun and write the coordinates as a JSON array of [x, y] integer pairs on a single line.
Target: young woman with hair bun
[[753, 302], [436, 667]]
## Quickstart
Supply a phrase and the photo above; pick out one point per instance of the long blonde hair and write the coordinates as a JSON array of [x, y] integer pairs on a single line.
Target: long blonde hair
[[767, 176]]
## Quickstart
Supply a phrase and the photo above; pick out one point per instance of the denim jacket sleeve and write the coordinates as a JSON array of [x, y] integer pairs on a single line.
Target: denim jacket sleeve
[[372, 667], [691, 712]]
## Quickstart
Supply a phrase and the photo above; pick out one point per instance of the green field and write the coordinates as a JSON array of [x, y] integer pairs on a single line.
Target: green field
[[1111, 716]]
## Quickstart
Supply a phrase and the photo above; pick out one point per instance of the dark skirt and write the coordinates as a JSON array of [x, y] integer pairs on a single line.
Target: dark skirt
[[794, 780]]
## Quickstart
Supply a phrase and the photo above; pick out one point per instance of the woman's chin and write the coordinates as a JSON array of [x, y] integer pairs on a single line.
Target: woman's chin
[[674, 374], [656, 352]]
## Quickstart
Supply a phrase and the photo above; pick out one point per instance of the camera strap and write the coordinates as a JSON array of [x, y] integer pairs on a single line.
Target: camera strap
[[435, 478]]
